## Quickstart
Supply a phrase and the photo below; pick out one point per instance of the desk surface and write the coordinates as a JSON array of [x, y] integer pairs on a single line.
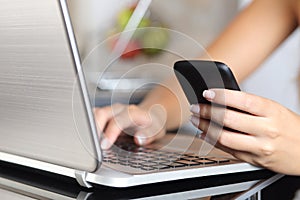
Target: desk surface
[[21, 181]]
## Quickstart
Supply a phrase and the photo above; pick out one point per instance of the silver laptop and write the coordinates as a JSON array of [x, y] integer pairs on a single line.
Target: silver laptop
[[46, 117]]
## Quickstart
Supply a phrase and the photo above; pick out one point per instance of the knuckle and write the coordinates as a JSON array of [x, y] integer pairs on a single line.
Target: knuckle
[[132, 107], [264, 162], [272, 132], [138, 116], [99, 112], [132, 111], [224, 139], [267, 150], [248, 101], [229, 118]]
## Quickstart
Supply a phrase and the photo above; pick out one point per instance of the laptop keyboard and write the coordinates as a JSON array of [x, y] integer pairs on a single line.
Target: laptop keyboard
[[148, 159]]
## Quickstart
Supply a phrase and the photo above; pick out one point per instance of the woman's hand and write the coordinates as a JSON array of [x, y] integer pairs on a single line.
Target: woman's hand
[[146, 125], [267, 134]]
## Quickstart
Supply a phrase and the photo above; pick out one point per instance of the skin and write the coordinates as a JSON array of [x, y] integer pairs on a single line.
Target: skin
[[265, 139], [270, 132]]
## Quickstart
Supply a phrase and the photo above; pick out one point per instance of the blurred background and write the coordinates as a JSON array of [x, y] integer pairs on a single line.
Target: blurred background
[[193, 24], [182, 30]]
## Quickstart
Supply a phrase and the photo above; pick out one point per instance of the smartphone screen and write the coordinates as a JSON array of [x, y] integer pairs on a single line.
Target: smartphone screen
[[195, 76]]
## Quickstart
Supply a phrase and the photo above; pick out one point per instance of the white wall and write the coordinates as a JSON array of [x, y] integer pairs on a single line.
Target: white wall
[[277, 77]]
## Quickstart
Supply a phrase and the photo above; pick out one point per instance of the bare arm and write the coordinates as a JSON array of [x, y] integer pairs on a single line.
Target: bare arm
[[254, 35]]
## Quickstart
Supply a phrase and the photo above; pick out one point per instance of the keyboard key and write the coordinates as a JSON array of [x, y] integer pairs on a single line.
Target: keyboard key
[[147, 168], [124, 163], [190, 158], [135, 166], [206, 162], [175, 164], [162, 166], [114, 161], [149, 164], [219, 160], [190, 155], [137, 161], [186, 162]]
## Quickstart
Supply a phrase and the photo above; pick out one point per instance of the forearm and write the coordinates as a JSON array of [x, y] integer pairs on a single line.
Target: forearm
[[254, 34]]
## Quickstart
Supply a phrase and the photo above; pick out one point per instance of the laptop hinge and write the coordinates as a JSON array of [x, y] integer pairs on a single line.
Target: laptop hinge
[[81, 179]]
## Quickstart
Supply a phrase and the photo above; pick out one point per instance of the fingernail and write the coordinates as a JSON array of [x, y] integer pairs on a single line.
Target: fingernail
[[141, 140], [105, 144], [208, 94], [195, 108], [194, 120]]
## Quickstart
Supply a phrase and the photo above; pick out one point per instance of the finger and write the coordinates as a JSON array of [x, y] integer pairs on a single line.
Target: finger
[[238, 141], [104, 114], [217, 145], [131, 117], [229, 139], [208, 128], [239, 100], [157, 127], [242, 122], [245, 156], [144, 137], [240, 155]]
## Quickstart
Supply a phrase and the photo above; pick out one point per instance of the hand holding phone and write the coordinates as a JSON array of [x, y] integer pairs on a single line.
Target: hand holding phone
[[198, 75]]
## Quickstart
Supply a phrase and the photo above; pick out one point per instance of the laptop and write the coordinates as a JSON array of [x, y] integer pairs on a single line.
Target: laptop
[[46, 116], [14, 183]]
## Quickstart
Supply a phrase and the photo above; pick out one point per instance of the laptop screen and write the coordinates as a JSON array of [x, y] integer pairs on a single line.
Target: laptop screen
[[43, 112]]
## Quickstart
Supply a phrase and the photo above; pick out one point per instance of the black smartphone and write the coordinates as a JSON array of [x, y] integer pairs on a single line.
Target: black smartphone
[[195, 76]]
